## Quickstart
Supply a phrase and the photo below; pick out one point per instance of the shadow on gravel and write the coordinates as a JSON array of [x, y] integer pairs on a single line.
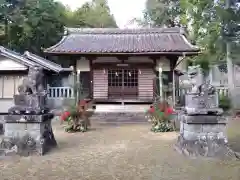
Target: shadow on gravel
[[234, 135], [234, 143]]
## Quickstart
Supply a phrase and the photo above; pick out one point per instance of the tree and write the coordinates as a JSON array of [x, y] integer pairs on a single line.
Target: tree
[[160, 13], [205, 23], [208, 21], [100, 15], [31, 24], [35, 24], [95, 14]]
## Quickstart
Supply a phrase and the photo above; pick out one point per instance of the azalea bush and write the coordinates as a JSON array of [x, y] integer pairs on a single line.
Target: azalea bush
[[76, 118], [225, 102], [160, 115]]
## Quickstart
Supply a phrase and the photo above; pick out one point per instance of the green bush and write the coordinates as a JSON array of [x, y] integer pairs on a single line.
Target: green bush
[[225, 102], [160, 115]]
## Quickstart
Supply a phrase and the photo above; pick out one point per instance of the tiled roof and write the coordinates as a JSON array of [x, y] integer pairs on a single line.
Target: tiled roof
[[16, 57], [31, 60], [113, 40], [45, 63]]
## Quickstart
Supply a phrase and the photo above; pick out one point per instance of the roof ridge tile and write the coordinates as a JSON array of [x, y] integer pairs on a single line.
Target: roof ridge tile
[[123, 31]]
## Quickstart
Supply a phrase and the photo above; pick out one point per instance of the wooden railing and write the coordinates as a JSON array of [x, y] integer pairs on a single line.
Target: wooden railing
[[65, 92], [222, 91], [60, 92]]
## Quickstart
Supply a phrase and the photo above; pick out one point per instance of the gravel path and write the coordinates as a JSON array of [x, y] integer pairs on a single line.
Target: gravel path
[[128, 152]]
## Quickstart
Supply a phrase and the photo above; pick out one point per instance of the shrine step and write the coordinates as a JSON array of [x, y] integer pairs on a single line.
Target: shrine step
[[107, 108], [119, 118]]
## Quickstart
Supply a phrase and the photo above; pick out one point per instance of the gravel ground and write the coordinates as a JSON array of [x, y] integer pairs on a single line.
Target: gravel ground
[[127, 152]]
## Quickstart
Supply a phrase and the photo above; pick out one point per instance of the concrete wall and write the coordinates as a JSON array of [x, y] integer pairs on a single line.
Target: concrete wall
[[8, 64], [5, 104]]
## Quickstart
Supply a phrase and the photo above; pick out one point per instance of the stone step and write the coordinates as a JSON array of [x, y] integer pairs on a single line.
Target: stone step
[[119, 117], [106, 108]]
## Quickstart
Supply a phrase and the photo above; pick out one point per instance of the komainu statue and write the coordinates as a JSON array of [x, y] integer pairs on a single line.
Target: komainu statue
[[33, 83], [196, 78], [199, 83]]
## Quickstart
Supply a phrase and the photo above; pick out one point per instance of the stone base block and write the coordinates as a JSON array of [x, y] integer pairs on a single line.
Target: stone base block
[[204, 136], [202, 131], [25, 139], [30, 118], [32, 100], [209, 148], [203, 119]]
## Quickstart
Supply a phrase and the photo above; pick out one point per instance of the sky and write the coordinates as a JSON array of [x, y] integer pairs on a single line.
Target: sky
[[123, 10]]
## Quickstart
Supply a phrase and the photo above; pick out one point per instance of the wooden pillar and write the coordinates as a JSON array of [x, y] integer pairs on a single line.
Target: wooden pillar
[[156, 73], [173, 61], [91, 58]]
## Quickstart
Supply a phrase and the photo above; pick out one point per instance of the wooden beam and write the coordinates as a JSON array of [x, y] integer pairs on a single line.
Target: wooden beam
[[123, 66], [91, 58], [154, 57], [122, 57]]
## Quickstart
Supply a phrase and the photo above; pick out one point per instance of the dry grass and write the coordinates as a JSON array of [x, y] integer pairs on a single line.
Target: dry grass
[[125, 153]]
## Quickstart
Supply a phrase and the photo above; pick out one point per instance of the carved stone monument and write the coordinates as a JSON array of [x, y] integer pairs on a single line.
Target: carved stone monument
[[202, 124], [28, 128]]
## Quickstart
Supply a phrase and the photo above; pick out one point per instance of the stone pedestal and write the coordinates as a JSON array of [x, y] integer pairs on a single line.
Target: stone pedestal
[[25, 138], [29, 104], [203, 126], [204, 135], [28, 128]]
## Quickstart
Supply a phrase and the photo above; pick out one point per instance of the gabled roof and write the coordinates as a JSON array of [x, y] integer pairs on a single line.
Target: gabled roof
[[16, 57], [45, 63], [31, 60], [117, 41]]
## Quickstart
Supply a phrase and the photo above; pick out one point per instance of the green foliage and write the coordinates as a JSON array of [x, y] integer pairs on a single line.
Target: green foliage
[[200, 60], [95, 14], [162, 12], [162, 127], [36, 24], [160, 118], [208, 24], [77, 120], [225, 102], [32, 24]]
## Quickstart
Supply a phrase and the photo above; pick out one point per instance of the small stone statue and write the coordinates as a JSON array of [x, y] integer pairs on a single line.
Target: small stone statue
[[196, 78], [32, 94], [33, 83], [202, 99]]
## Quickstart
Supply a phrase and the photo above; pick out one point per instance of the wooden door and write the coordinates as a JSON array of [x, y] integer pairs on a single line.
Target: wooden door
[[115, 83], [123, 83], [130, 84]]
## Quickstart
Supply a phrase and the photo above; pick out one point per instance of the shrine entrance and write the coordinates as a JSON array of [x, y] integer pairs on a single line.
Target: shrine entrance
[[122, 83]]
